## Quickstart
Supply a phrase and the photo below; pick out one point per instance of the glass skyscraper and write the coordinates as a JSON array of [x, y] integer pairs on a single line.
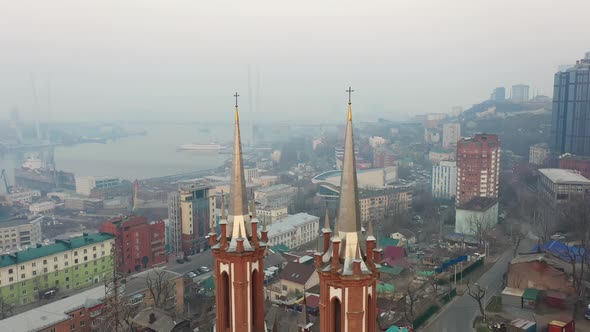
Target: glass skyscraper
[[571, 110]]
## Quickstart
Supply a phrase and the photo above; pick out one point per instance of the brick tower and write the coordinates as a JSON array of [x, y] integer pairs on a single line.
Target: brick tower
[[348, 266], [238, 253]]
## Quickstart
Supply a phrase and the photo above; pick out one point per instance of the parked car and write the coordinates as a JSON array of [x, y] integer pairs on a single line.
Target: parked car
[[204, 269], [190, 274], [180, 261]]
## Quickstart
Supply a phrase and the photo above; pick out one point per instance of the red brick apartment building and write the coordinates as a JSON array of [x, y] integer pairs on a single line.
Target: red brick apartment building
[[140, 244], [478, 167]]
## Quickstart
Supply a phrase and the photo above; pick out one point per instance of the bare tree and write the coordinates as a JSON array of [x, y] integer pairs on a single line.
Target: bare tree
[[6, 309], [411, 298], [517, 234], [534, 211], [160, 287], [480, 227], [478, 294]]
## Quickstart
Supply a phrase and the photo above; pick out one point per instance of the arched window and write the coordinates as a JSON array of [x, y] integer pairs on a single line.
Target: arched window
[[336, 324], [225, 296], [255, 297]]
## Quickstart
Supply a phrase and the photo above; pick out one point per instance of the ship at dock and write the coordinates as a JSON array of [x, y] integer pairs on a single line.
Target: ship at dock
[[35, 175], [212, 147]]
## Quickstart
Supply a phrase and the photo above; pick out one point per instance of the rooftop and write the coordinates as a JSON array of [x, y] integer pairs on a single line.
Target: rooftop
[[274, 187], [54, 248], [137, 283], [558, 175], [297, 272], [52, 313], [18, 221], [290, 222]]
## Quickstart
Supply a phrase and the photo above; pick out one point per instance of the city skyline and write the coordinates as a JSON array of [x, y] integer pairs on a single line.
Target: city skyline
[[155, 60]]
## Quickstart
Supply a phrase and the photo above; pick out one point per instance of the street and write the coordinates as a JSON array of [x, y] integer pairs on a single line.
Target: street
[[197, 260], [458, 315]]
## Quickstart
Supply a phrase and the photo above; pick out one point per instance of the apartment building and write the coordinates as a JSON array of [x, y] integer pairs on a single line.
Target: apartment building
[[377, 204], [277, 195], [50, 270], [20, 233], [270, 214], [294, 230]]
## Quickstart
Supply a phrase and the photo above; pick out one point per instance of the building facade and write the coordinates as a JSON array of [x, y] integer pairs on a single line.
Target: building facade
[[437, 155], [580, 164], [451, 135], [85, 184], [42, 207], [190, 213], [561, 185], [275, 196], [20, 233], [269, 215], [477, 216], [539, 154], [140, 244], [499, 93], [294, 230], [375, 205], [520, 92], [478, 167], [444, 180], [571, 110], [50, 270]]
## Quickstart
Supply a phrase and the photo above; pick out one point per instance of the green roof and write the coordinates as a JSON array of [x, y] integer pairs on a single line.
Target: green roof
[[54, 248], [386, 242], [395, 270], [397, 329], [530, 294], [209, 283], [382, 288], [426, 273], [280, 248]]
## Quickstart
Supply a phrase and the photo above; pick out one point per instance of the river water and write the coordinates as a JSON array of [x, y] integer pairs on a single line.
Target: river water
[[136, 157]]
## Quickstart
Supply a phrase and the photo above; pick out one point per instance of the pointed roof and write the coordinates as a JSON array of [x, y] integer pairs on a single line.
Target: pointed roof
[[238, 205], [370, 232]]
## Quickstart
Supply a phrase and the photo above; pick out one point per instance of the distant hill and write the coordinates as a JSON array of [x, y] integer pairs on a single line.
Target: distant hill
[[508, 106]]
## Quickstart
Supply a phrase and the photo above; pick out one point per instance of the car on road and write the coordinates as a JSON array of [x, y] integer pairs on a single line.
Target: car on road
[[190, 274], [204, 269], [180, 261]]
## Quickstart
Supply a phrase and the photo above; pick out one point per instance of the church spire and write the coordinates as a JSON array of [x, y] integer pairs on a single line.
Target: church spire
[[238, 205]]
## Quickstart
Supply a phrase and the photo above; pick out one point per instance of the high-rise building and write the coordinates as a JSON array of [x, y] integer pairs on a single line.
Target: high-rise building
[[444, 180], [238, 255], [520, 92], [451, 135], [140, 244], [539, 153], [571, 110], [499, 93], [478, 167], [191, 211], [347, 267]]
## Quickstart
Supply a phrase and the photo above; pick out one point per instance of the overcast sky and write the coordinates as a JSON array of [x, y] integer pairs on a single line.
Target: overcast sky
[[175, 59]]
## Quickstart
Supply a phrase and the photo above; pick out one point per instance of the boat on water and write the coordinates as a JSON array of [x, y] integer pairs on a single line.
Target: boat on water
[[202, 147]]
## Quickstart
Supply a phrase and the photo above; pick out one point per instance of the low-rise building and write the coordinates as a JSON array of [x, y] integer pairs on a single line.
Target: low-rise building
[[78, 312], [294, 230], [267, 180], [375, 205], [444, 180], [23, 197], [157, 287], [436, 156], [20, 233], [540, 271], [83, 204], [577, 163], [561, 185], [539, 153], [45, 271], [270, 214], [476, 216], [85, 184], [42, 207], [276, 195], [293, 281]]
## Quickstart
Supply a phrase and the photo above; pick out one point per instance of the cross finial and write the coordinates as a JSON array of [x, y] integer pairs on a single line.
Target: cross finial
[[236, 95], [350, 91]]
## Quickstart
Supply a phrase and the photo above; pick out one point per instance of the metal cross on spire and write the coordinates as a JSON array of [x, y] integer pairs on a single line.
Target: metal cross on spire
[[236, 95], [350, 91]]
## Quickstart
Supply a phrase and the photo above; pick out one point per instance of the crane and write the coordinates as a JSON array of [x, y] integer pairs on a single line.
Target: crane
[[4, 177]]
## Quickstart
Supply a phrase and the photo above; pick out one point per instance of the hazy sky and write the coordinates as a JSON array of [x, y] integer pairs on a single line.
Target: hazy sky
[[175, 59]]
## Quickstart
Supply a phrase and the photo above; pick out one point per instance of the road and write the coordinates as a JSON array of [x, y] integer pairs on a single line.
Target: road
[[458, 316], [197, 260]]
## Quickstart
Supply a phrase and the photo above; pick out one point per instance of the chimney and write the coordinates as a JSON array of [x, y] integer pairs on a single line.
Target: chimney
[[152, 318]]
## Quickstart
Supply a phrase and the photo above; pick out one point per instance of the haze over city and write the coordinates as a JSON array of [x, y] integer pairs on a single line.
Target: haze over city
[[114, 60], [301, 166]]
